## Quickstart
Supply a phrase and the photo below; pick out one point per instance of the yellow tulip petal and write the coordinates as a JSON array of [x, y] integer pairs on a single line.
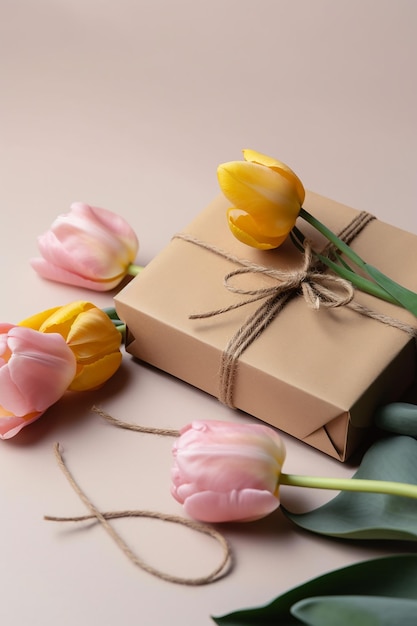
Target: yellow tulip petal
[[278, 166], [93, 335], [94, 375], [261, 192], [36, 321], [63, 317], [244, 228]]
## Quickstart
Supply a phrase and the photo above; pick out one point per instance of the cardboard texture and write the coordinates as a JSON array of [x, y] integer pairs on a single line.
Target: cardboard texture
[[317, 375]]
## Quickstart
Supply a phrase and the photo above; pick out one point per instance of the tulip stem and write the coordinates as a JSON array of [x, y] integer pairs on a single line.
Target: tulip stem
[[122, 330], [350, 484], [111, 313], [334, 239], [380, 285], [341, 268], [134, 270]]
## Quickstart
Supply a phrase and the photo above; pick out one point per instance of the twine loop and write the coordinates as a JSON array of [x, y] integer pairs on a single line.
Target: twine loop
[[104, 519], [318, 289]]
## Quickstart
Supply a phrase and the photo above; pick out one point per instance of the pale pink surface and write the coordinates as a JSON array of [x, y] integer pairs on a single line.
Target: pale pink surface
[[88, 247], [226, 471], [35, 370]]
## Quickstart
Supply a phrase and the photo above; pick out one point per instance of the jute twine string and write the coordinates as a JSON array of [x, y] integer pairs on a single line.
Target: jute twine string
[[103, 517], [150, 430], [319, 290]]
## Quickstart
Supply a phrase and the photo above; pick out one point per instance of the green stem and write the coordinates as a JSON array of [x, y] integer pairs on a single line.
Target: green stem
[[341, 268], [334, 239], [122, 330], [111, 313], [350, 484], [134, 270], [358, 281], [386, 288]]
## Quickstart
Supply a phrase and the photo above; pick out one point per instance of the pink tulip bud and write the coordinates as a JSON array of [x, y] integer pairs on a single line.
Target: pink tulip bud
[[87, 247], [35, 371], [227, 472]]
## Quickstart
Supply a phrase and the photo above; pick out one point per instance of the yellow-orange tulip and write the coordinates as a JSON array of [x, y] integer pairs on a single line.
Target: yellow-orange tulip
[[266, 195], [92, 337]]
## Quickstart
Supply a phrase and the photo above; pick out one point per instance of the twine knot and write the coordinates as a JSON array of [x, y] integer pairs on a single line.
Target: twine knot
[[317, 288]]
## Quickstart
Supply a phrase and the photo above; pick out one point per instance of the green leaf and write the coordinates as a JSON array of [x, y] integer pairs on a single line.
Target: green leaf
[[407, 298], [358, 281], [397, 417], [353, 515], [393, 578], [397, 293], [110, 311], [357, 610]]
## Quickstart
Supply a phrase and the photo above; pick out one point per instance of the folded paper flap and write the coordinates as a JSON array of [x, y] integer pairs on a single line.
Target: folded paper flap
[[332, 438], [330, 357]]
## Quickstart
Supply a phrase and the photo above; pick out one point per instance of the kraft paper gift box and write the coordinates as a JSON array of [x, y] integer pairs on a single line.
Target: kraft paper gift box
[[317, 375]]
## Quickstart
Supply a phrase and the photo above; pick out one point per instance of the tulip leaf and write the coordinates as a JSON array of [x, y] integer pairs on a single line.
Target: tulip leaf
[[407, 298], [353, 515], [363, 610], [397, 417], [356, 590], [110, 311]]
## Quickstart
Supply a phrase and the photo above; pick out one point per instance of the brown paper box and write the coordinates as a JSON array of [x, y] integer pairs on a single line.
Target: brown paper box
[[315, 374]]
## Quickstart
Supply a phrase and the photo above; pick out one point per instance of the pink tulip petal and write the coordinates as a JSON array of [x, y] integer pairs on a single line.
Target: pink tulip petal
[[10, 426], [61, 275], [39, 371], [243, 506], [111, 222], [93, 254], [4, 327], [247, 466]]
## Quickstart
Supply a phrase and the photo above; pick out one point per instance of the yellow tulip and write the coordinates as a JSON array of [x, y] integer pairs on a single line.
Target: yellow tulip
[[266, 195], [92, 337]]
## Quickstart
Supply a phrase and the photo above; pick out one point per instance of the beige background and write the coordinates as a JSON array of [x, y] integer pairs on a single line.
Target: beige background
[[131, 105]]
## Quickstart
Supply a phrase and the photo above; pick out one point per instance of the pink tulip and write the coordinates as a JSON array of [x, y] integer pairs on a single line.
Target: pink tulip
[[35, 370], [227, 472], [87, 247]]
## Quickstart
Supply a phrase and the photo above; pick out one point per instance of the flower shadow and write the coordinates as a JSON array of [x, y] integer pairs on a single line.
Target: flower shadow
[[274, 525]]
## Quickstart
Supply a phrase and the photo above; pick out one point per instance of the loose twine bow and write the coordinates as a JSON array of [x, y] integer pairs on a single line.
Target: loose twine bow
[[104, 518], [319, 290]]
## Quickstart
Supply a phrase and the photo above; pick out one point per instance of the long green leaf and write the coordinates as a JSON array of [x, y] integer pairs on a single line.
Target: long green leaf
[[397, 417], [400, 294], [353, 515], [393, 577], [360, 282], [356, 610], [407, 298]]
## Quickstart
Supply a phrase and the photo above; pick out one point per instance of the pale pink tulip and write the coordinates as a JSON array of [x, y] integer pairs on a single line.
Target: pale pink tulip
[[227, 472], [87, 247], [35, 371]]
